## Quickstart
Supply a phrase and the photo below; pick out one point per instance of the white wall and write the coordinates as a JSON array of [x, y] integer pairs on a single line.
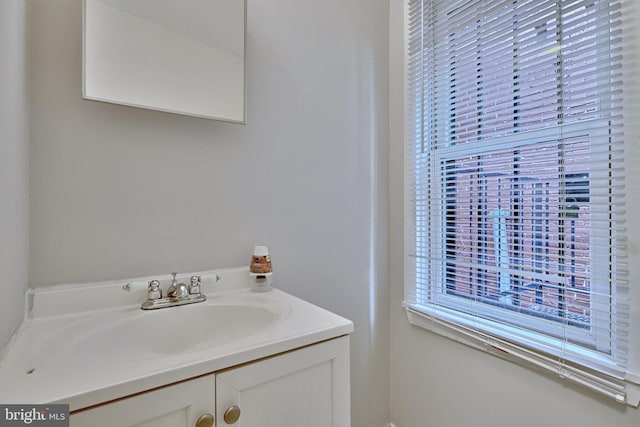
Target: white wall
[[14, 157], [436, 382], [119, 192]]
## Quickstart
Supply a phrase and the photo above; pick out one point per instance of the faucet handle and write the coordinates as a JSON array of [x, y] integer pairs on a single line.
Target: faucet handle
[[154, 291], [194, 287]]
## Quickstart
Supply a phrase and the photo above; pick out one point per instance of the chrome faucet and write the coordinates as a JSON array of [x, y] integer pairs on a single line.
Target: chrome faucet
[[177, 294]]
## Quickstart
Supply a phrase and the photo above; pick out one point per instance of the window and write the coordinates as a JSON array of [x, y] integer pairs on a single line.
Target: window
[[515, 180]]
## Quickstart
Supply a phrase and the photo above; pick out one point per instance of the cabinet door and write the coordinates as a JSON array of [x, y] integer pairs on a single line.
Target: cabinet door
[[172, 406], [303, 388]]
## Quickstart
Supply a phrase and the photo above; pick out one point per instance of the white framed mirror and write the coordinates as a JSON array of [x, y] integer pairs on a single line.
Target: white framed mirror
[[184, 57]]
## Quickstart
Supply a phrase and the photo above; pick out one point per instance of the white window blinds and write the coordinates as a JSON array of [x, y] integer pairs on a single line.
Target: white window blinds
[[516, 180]]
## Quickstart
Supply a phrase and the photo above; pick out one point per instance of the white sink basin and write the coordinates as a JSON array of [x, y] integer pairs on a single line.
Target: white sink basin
[[135, 334], [84, 344]]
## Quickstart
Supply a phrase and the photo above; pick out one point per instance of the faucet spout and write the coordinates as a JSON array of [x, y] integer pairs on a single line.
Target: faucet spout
[[177, 290]]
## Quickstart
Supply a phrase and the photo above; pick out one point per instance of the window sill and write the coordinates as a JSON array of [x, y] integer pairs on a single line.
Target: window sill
[[499, 341]]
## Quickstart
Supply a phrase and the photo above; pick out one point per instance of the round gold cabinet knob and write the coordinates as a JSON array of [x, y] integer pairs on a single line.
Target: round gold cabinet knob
[[205, 420], [232, 414]]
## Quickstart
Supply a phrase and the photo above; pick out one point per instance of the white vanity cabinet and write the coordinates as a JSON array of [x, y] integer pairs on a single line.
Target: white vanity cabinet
[[173, 406], [305, 387], [280, 360]]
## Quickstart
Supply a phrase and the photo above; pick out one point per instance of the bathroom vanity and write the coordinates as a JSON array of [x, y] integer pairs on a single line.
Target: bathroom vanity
[[239, 358], [304, 387]]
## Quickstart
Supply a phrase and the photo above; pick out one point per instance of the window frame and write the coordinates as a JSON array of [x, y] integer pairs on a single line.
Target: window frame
[[596, 369]]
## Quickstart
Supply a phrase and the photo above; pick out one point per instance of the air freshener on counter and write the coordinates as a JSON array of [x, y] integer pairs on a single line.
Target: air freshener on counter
[[261, 269]]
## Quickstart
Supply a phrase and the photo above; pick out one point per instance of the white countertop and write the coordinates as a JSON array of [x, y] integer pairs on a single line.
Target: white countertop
[[43, 364]]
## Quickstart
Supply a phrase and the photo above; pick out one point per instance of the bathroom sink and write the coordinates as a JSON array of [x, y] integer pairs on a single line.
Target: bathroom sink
[[134, 334], [88, 343]]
